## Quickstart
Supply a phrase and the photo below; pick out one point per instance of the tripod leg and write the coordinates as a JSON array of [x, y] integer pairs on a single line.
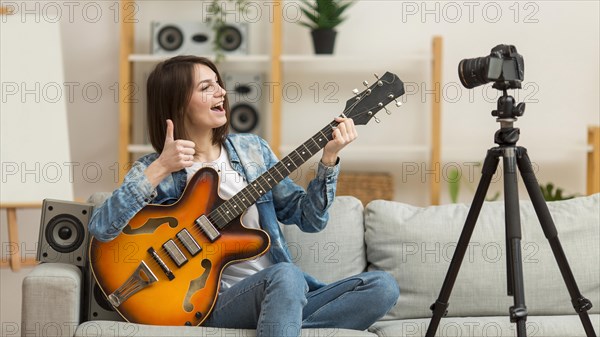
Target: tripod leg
[[440, 306], [580, 303], [518, 312]]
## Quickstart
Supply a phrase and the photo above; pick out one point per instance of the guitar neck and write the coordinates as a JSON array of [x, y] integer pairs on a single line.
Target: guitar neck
[[232, 208], [361, 109]]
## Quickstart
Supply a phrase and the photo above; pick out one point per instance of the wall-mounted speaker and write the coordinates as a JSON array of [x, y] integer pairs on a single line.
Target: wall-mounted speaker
[[197, 38], [63, 234], [96, 305], [246, 102]]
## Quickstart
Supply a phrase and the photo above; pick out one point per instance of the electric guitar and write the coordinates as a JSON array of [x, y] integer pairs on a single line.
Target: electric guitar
[[165, 267]]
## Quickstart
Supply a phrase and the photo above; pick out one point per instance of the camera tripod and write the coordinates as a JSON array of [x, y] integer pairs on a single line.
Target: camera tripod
[[513, 157]]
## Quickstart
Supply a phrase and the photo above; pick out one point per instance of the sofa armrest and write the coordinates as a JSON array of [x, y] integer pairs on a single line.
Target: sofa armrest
[[51, 300]]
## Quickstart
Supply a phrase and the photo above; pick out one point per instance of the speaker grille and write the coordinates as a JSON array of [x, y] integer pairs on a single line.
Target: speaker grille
[[170, 38], [230, 38], [244, 118], [63, 232]]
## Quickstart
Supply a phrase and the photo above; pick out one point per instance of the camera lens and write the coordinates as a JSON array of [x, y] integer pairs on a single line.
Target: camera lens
[[473, 72]]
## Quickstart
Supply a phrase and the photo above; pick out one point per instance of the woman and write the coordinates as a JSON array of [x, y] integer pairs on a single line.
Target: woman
[[187, 119]]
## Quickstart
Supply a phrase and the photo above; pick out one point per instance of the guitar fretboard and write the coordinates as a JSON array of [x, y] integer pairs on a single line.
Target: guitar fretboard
[[232, 208]]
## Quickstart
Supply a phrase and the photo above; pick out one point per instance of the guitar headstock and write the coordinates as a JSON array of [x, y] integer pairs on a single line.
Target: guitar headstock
[[363, 106]]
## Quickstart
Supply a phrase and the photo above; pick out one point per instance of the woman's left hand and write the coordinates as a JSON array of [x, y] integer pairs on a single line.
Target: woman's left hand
[[343, 135]]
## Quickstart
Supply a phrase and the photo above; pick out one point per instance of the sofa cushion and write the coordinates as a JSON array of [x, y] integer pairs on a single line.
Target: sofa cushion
[[416, 245], [336, 252], [51, 300]]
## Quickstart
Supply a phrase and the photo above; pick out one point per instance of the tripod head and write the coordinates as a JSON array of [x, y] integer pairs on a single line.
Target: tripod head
[[507, 112]]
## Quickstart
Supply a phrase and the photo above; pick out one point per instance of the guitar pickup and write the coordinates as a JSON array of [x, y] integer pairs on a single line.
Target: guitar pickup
[[188, 242], [175, 253], [207, 227]]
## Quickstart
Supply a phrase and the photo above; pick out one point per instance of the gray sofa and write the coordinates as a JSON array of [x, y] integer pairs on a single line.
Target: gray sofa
[[412, 243]]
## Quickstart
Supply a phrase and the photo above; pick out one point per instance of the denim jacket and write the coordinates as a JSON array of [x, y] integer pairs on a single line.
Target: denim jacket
[[250, 156]]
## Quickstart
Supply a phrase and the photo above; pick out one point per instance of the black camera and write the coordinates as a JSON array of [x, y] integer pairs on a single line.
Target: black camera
[[504, 66]]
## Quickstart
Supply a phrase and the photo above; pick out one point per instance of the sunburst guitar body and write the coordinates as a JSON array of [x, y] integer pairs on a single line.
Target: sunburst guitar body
[[169, 285]]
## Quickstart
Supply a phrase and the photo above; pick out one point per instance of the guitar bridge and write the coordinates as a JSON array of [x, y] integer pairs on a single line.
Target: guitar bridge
[[140, 279]]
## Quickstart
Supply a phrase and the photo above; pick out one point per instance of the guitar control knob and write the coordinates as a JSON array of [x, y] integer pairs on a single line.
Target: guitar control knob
[[198, 314], [188, 323]]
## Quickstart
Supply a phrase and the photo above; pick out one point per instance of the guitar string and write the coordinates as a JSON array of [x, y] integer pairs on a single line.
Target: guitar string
[[219, 216]]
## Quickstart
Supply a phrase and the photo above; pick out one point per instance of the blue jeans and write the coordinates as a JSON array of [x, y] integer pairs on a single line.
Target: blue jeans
[[276, 302]]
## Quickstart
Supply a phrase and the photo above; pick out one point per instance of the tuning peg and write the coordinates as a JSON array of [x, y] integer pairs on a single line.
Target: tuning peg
[[355, 91], [384, 108], [398, 103], [370, 113], [379, 83], [365, 83]]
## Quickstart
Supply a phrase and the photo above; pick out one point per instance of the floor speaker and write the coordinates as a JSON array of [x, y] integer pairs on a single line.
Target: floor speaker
[[63, 236], [245, 102], [197, 38], [96, 305]]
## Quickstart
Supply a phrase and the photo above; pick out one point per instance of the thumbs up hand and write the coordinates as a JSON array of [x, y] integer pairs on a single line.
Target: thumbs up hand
[[176, 154]]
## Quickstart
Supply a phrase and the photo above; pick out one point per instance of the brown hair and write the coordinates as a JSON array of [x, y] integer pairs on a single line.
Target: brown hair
[[169, 90]]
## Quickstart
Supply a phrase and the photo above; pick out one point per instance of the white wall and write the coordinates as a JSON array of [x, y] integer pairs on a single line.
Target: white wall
[[561, 88]]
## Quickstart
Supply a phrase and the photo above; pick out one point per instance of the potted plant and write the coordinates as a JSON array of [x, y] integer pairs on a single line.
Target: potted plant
[[551, 194], [323, 16]]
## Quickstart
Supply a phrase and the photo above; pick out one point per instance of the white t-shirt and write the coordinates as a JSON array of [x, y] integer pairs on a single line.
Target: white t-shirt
[[231, 183]]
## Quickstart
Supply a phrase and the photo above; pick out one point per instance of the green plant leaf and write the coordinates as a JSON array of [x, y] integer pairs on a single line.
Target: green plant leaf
[[550, 194], [494, 197], [310, 16], [325, 14], [453, 184], [341, 9]]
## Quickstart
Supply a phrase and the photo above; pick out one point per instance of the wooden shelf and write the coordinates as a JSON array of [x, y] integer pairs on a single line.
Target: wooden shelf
[[140, 148]]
